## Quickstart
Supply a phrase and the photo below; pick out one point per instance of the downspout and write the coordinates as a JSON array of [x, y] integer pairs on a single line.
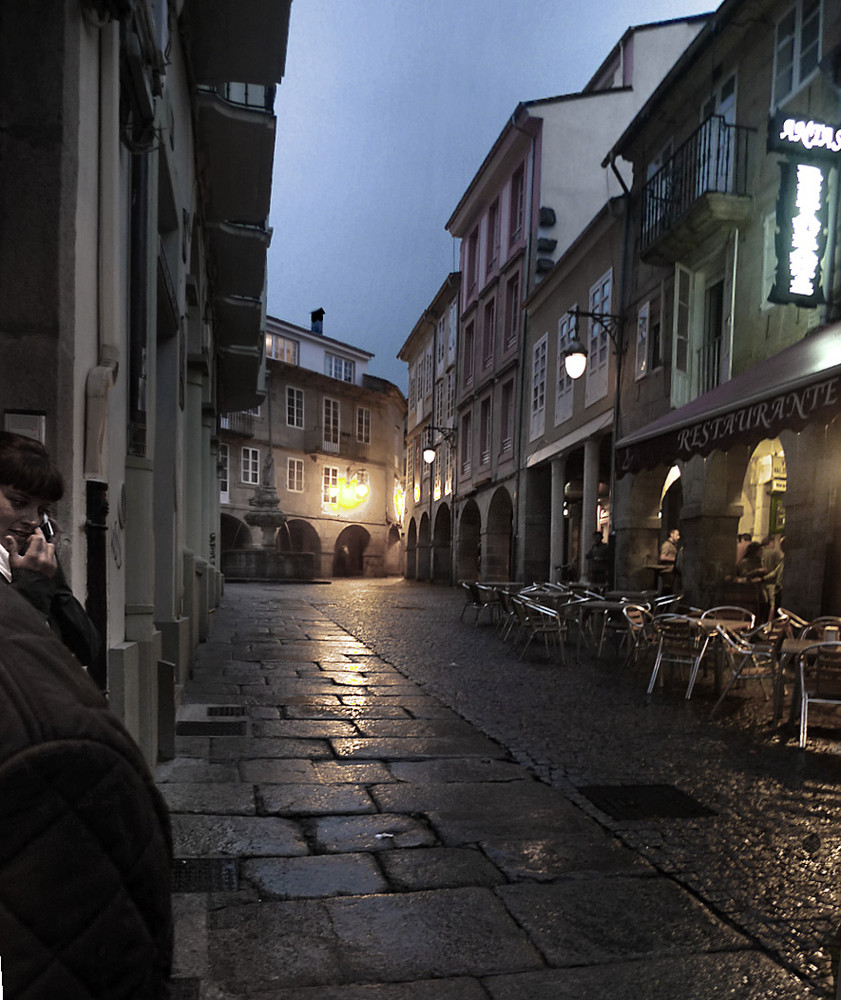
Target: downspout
[[522, 351], [101, 378], [620, 348]]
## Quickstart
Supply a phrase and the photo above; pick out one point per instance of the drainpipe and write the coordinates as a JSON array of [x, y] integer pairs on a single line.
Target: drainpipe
[[620, 347], [524, 326], [101, 378]]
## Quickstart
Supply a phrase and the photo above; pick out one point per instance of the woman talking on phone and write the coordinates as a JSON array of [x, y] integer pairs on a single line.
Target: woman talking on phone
[[29, 485]]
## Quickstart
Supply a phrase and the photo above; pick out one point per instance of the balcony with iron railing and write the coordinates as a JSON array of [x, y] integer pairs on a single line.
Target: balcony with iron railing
[[700, 190], [321, 439], [238, 422]]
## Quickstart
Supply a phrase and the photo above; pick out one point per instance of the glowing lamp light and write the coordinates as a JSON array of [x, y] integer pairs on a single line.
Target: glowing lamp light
[[575, 359], [429, 455], [351, 493]]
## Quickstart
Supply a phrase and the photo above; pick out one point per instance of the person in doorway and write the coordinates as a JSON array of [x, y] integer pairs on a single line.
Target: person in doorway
[[771, 581], [85, 845], [29, 485], [742, 542], [668, 559], [597, 560]]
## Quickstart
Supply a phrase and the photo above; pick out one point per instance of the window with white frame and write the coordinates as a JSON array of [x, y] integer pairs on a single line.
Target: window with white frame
[[453, 332], [338, 367], [563, 383], [485, 431], [797, 48], [641, 367], [294, 407], [468, 360], [441, 344], [330, 486], [466, 443], [224, 475], [512, 310], [281, 348], [506, 417], [428, 372], [251, 466], [598, 350], [473, 262], [363, 424], [295, 475], [451, 399], [492, 254], [681, 334], [518, 204], [538, 389], [331, 429], [488, 333]]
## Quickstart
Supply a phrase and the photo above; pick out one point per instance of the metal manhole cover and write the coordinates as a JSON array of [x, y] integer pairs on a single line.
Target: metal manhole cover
[[204, 875], [227, 710], [189, 728], [630, 802], [185, 989]]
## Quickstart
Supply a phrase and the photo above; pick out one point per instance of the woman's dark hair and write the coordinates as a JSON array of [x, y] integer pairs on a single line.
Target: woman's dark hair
[[25, 464]]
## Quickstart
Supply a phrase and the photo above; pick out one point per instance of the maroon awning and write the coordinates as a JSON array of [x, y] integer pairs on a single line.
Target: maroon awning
[[799, 385]]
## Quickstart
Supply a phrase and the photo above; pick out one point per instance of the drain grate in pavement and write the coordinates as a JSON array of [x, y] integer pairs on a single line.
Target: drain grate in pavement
[[629, 802], [185, 989], [190, 728], [204, 875], [227, 710]]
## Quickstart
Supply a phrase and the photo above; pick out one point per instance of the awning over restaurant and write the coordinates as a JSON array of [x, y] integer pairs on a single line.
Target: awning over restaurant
[[800, 385]]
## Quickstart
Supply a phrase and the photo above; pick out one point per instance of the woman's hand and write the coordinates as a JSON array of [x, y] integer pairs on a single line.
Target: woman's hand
[[39, 555]]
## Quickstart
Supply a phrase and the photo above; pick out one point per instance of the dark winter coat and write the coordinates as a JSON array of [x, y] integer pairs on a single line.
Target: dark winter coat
[[85, 853]]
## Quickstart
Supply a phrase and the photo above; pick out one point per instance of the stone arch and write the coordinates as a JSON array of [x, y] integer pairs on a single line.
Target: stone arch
[[412, 551], [442, 540], [349, 551], [235, 533], [392, 551], [496, 552], [469, 542], [423, 547], [298, 535]]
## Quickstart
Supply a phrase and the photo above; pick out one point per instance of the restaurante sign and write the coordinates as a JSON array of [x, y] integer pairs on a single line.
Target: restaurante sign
[[790, 410], [798, 136]]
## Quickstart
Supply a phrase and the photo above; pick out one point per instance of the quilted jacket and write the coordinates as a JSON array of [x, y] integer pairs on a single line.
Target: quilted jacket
[[85, 851]]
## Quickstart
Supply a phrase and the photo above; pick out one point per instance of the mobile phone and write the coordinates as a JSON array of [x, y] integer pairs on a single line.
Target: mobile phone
[[47, 529]]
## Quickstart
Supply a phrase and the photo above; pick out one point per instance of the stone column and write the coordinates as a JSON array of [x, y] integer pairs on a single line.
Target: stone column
[[557, 555], [589, 500]]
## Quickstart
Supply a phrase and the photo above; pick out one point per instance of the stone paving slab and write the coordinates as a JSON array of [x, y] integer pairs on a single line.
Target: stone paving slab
[[416, 748], [224, 748], [646, 918], [414, 869], [314, 877], [449, 932], [436, 989], [737, 975], [273, 770], [225, 798], [235, 836], [341, 834], [457, 769], [314, 800], [573, 854]]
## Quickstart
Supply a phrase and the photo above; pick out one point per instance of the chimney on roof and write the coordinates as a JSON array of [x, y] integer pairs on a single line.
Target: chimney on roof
[[317, 321]]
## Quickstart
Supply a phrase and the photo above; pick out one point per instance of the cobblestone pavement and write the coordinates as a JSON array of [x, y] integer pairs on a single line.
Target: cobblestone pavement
[[769, 861], [345, 760]]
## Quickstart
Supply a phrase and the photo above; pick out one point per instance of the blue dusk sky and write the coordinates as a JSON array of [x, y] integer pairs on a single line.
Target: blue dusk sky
[[386, 112]]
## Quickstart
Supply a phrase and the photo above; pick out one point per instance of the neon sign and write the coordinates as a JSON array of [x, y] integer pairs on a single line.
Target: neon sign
[[801, 234], [799, 135]]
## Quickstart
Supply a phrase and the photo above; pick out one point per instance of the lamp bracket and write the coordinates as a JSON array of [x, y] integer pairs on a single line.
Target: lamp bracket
[[610, 323]]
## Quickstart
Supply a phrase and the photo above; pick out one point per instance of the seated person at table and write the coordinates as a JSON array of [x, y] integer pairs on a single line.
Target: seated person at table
[[597, 559]]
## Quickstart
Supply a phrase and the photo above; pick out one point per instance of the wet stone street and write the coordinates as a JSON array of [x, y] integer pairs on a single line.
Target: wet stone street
[[375, 800]]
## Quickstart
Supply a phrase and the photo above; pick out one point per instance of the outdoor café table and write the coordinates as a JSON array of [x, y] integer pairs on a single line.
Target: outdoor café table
[[602, 611], [710, 625], [631, 596]]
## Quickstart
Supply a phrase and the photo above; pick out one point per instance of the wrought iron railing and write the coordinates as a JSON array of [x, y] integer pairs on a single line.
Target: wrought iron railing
[[713, 159], [345, 445], [246, 95], [709, 366]]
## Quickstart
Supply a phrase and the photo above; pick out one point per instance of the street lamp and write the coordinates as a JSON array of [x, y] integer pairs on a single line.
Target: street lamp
[[429, 451], [575, 356]]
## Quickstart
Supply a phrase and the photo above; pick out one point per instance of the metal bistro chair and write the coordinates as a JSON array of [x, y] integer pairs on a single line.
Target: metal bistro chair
[[508, 619], [682, 642], [816, 629], [642, 636], [537, 620], [747, 660], [820, 679], [731, 613], [480, 598]]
